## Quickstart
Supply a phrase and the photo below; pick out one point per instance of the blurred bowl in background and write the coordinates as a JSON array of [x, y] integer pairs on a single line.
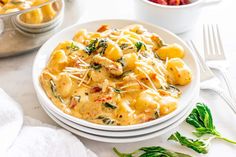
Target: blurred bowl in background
[[40, 20], [177, 19], [28, 33]]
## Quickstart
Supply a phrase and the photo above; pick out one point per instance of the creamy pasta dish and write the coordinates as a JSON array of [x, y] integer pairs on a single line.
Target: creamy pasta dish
[[116, 76], [9, 6]]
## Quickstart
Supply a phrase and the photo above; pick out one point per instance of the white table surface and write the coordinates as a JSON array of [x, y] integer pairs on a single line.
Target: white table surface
[[16, 80]]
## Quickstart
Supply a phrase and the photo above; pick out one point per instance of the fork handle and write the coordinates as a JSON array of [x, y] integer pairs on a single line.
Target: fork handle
[[225, 96], [227, 80]]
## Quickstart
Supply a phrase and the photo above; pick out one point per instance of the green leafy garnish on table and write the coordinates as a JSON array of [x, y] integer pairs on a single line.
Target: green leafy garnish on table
[[153, 151], [201, 119], [197, 145]]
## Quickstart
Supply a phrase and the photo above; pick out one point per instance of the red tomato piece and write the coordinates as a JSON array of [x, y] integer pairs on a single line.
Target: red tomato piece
[[174, 2], [183, 2], [163, 2]]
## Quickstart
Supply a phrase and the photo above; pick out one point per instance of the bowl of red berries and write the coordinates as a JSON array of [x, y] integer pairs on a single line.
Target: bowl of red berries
[[177, 16]]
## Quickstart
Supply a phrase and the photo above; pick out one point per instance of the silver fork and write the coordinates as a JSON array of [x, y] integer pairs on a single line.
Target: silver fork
[[208, 79], [214, 53]]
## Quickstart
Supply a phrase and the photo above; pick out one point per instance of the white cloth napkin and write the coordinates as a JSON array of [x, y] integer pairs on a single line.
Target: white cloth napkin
[[26, 137]]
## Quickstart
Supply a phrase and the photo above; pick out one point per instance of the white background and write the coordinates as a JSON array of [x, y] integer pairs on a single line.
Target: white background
[[16, 80]]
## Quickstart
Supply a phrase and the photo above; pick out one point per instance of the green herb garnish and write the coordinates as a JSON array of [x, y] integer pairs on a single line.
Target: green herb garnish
[[197, 145], [53, 87], [16, 2], [96, 66], [96, 45], [139, 45], [121, 61], [173, 90], [123, 46], [103, 45], [202, 120], [153, 151], [106, 120], [117, 90], [73, 47], [54, 91], [109, 105], [157, 114], [91, 47]]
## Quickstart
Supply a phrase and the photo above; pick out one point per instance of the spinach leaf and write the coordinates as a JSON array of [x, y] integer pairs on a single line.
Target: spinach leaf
[[123, 46], [153, 151], [73, 47], [139, 45], [96, 66], [109, 105], [16, 2], [96, 45], [199, 146], [106, 120], [54, 91], [121, 61], [173, 90], [103, 45], [117, 90], [201, 119], [91, 47]]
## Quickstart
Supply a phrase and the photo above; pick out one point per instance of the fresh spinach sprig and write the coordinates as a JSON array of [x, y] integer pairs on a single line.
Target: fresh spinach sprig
[[197, 145], [153, 151], [201, 119]]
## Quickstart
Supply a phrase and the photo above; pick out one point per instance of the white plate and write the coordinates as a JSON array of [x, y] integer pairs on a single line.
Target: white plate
[[131, 133], [67, 34], [120, 139]]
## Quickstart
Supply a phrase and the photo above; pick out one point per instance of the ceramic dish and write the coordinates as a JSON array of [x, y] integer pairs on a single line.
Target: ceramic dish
[[177, 19], [139, 132], [121, 139], [67, 34]]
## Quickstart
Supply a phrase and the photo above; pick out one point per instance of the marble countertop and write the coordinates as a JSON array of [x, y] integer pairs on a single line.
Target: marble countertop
[[15, 72]]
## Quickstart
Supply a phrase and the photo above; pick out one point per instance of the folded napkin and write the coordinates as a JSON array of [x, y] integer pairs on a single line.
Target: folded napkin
[[26, 137]]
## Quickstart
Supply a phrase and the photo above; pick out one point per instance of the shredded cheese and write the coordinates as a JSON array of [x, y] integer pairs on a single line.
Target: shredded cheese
[[154, 87]]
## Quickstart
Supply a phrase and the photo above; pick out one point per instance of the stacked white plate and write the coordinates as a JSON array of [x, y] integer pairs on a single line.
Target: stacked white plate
[[117, 134]]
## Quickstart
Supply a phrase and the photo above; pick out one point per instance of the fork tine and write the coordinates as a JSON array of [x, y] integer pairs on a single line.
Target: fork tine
[[214, 38], [211, 49], [221, 49], [205, 45]]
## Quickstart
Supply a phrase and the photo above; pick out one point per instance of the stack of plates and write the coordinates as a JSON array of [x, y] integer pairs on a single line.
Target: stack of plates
[[117, 134]]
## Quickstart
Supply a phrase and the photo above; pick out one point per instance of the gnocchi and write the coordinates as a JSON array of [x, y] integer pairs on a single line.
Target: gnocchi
[[170, 51], [116, 76]]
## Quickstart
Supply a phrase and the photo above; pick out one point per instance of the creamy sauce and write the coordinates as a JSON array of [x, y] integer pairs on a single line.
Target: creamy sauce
[[115, 76]]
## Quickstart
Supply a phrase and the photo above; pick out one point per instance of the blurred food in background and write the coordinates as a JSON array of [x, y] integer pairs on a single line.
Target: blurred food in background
[[9, 6], [41, 15], [171, 2]]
